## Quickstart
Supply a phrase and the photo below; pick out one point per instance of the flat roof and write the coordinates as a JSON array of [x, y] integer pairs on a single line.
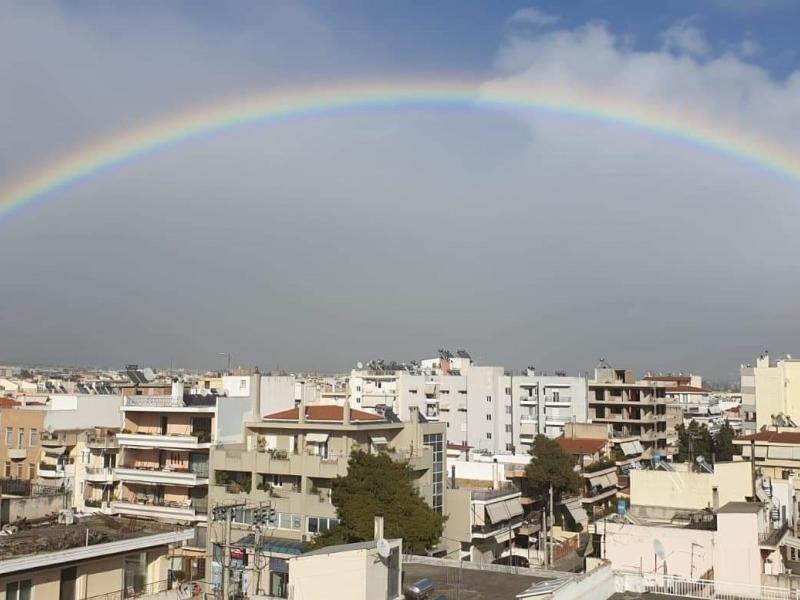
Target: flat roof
[[35, 546], [741, 507], [475, 584]]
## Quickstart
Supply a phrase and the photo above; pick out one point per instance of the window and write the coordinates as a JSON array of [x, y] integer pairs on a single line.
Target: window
[[488, 398], [134, 574], [19, 590], [435, 441], [243, 516], [509, 447], [21, 438], [9, 437], [488, 436], [289, 521], [320, 524], [508, 428], [34, 437], [31, 471], [508, 410], [85, 457], [19, 471], [7, 470], [508, 391], [488, 417]]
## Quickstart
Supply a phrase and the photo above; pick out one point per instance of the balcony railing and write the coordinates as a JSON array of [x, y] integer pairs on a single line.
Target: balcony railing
[[169, 402], [485, 495]]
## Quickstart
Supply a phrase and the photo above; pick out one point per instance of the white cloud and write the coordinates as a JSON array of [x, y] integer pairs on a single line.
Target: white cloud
[[685, 38], [533, 16], [748, 47]]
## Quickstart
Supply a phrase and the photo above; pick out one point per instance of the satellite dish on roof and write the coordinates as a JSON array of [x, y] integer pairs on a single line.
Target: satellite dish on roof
[[360, 365], [384, 549], [700, 460], [658, 548]]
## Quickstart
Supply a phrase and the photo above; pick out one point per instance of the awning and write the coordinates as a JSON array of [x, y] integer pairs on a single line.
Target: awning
[[598, 480], [514, 508], [317, 438], [576, 511], [497, 512], [379, 440], [429, 389], [612, 479], [637, 445], [628, 448]]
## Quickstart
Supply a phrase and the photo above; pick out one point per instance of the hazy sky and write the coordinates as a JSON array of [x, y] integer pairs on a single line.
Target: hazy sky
[[321, 241]]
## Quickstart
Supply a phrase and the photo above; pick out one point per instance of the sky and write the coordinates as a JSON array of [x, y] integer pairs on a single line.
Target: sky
[[527, 238]]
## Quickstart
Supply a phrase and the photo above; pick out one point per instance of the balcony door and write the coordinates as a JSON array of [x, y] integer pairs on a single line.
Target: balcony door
[[163, 424], [67, 584]]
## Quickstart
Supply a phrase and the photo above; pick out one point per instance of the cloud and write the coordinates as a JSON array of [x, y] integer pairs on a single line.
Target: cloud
[[685, 38], [748, 47], [533, 16]]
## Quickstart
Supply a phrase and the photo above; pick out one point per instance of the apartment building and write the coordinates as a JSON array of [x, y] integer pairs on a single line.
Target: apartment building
[[770, 393], [22, 429], [289, 459], [94, 558], [96, 486], [635, 411], [163, 460], [484, 407]]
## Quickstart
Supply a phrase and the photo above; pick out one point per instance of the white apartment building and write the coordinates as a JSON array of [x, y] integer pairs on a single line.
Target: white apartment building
[[484, 407], [770, 393]]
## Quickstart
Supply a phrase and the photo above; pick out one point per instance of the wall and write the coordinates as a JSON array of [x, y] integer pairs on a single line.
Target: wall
[[26, 419], [231, 413], [85, 412], [331, 576], [458, 527], [32, 508], [739, 559], [689, 552], [677, 489]]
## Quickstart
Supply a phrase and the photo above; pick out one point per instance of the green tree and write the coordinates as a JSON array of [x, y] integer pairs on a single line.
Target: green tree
[[550, 465], [724, 449], [693, 441], [377, 484]]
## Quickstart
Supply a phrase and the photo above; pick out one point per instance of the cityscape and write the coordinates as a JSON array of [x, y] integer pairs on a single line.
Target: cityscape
[[371, 300]]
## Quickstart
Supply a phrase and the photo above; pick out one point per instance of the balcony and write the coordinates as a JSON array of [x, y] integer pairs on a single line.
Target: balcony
[[490, 529], [188, 510], [562, 401], [47, 471], [17, 453], [487, 495], [100, 475], [528, 400], [108, 442], [196, 441], [278, 462], [170, 404], [592, 496], [157, 476], [49, 440]]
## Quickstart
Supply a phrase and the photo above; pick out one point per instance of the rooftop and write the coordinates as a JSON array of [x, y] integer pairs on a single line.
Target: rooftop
[[772, 437], [472, 584], [575, 445], [328, 413], [741, 507], [679, 379], [368, 545], [692, 389], [38, 544]]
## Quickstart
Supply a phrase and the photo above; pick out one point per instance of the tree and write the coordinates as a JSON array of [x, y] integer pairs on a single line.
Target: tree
[[377, 484], [724, 449], [550, 465], [693, 441]]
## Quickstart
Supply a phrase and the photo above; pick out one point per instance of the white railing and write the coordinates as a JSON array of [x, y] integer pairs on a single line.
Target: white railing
[[674, 585]]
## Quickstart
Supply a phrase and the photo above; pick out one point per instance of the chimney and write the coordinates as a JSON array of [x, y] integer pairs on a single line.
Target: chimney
[[301, 411], [346, 413], [255, 396], [378, 526], [495, 475]]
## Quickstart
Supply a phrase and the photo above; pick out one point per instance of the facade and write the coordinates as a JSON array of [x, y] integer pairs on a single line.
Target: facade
[[771, 391], [163, 460], [93, 559], [635, 412], [21, 448], [288, 461]]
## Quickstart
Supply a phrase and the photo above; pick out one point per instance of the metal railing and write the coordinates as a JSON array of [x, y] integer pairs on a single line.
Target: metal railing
[[674, 585], [484, 495], [150, 589]]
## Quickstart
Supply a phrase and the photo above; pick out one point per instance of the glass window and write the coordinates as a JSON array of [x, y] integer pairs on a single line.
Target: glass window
[[7, 470], [134, 574], [19, 590], [31, 471], [34, 437], [21, 438], [9, 437]]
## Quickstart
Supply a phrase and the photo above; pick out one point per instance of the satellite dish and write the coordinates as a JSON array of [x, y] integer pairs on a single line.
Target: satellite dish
[[658, 547], [700, 460], [360, 365], [384, 549]]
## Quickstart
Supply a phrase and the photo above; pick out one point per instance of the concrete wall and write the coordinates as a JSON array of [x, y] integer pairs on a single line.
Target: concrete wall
[[739, 558], [83, 411], [31, 508], [689, 552], [231, 413], [678, 489], [277, 394], [349, 575]]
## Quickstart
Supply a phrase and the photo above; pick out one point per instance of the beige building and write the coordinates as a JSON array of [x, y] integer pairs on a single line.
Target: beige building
[[22, 431], [288, 462], [771, 392], [96, 558], [635, 412]]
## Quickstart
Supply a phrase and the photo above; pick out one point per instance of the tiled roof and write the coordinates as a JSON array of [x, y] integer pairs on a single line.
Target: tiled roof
[[687, 388], [581, 445], [680, 379], [8, 403], [773, 437], [324, 412]]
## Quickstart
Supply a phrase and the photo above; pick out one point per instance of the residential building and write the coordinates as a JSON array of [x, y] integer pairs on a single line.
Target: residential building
[[96, 486], [289, 459], [163, 462], [21, 448], [94, 558], [770, 393], [636, 412]]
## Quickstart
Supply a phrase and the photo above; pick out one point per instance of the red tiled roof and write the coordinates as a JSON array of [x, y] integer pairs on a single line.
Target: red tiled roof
[[774, 437], [680, 379], [452, 446], [581, 445], [8, 403], [323, 412], [687, 388]]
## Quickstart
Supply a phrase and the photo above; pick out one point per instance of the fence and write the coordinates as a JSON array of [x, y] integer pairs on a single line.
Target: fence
[[698, 588], [479, 566]]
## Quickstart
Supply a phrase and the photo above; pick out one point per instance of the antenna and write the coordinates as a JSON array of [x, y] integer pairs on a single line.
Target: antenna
[[384, 549]]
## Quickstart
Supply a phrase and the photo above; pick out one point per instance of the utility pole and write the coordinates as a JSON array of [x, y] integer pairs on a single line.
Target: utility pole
[[551, 523], [226, 560]]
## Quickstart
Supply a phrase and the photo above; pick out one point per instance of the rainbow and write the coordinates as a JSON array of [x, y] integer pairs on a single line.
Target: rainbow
[[663, 120]]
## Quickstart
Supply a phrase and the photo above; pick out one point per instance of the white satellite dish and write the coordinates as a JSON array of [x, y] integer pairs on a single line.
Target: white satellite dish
[[384, 549], [658, 548], [360, 365], [700, 460]]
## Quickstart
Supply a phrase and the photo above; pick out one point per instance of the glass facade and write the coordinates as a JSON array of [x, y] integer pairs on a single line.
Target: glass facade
[[435, 442]]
